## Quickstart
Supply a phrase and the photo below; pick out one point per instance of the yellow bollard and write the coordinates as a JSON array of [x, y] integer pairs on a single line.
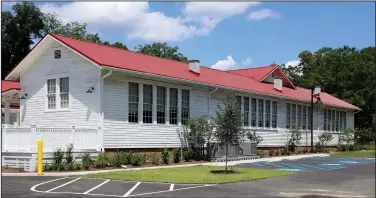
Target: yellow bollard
[[40, 157]]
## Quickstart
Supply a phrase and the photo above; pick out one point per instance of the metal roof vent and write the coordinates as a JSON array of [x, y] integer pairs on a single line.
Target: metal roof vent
[[194, 66]]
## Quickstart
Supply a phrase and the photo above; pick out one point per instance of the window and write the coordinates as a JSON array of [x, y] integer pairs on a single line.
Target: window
[[64, 92], [239, 103], [333, 120], [261, 113], [293, 109], [161, 105], [288, 113], [344, 126], [173, 106], [299, 116], [184, 106], [246, 111], [267, 113], [309, 117], [254, 112], [51, 93], [133, 102], [274, 114], [304, 118], [325, 119], [147, 114], [329, 128], [57, 54], [337, 120]]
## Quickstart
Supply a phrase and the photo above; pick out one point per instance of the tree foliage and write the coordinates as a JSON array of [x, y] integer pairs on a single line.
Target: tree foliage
[[162, 50], [228, 124], [253, 137], [346, 72]]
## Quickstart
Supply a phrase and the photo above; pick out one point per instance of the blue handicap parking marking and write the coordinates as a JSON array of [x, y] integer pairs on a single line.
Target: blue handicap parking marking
[[256, 164], [284, 166]]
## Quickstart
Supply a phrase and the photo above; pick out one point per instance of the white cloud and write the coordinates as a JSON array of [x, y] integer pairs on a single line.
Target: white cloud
[[263, 14], [292, 63], [136, 20], [247, 61], [225, 64]]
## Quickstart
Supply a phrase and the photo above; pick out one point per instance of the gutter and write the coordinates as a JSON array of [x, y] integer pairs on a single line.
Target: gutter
[[216, 88], [205, 84], [101, 101]]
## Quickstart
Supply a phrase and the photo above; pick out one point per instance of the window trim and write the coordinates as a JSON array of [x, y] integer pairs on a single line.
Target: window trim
[[57, 93]]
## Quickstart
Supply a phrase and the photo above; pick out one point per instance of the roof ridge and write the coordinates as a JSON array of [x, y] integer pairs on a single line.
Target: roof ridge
[[252, 68]]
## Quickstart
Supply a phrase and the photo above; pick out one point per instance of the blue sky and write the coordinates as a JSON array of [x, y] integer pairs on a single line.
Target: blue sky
[[228, 35]]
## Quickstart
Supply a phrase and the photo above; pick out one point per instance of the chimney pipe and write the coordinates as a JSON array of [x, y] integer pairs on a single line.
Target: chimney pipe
[[194, 66]]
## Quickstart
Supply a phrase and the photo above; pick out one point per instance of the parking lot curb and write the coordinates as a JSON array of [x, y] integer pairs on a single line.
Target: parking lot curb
[[232, 163]]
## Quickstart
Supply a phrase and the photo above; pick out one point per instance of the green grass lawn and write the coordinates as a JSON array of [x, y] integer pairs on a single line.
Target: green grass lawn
[[191, 175], [354, 154]]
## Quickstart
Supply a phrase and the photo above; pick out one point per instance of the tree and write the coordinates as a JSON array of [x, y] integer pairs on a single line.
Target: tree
[[228, 124], [18, 32], [295, 135], [162, 50], [253, 137], [198, 132]]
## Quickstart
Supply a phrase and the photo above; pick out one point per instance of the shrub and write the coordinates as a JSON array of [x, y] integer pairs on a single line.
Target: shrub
[[271, 152], [101, 161], [187, 154], [69, 167], [69, 154], [294, 138], [118, 159], [260, 153], [129, 158], [305, 151], [277, 152], [60, 167], [138, 159], [77, 166], [86, 166], [165, 156], [155, 158], [58, 156], [86, 158], [176, 154]]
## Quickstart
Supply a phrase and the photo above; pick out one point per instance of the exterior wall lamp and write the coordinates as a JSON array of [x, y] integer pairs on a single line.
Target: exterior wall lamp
[[23, 97], [90, 90]]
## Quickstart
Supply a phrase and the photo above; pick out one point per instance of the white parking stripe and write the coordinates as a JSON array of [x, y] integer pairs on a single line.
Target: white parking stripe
[[33, 188], [171, 187], [63, 185], [96, 186], [131, 190]]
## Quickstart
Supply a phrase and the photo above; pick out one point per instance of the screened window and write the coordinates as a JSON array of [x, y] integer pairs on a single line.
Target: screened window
[[133, 102], [173, 106], [246, 111], [309, 117], [161, 105], [239, 103], [57, 54], [304, 118], [325, 118], [254, 112], [333, 120], [344, 126], [184, 106], [274, 114], [299, 117], [261, 113], [293, 109], [288, 113], [329, 128], [147, 115], [51, 93], [337, 120], [267, 113], [64, 92]]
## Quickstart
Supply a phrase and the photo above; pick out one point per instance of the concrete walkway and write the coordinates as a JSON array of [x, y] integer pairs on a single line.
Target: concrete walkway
[[232, 163]]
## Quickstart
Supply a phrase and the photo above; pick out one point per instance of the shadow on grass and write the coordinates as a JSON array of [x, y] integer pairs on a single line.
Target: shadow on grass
[[225, 172]]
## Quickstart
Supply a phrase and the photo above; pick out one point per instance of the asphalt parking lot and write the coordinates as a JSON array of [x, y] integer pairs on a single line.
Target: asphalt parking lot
[[351, 178]]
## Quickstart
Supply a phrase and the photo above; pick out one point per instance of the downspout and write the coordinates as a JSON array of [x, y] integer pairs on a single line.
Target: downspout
[[101, 103], [209, 102]]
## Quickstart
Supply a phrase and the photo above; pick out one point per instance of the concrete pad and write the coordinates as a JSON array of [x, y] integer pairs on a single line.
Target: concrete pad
[[118, 188]]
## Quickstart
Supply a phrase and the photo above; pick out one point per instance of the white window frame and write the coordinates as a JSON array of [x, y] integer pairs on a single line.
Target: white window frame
[[308, 115], [57, 93], [154, 112]]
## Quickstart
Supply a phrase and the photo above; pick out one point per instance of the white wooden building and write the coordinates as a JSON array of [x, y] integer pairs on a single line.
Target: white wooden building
[[139, 101]]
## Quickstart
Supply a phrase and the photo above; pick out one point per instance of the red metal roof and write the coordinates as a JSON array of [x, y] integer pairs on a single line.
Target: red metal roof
[[125, 59], [257, 73], [9, 85]]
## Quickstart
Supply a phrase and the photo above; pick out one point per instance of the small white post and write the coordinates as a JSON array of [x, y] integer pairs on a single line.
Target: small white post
[[73, 131], [100, 136], [5, 137], [6, 112]]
